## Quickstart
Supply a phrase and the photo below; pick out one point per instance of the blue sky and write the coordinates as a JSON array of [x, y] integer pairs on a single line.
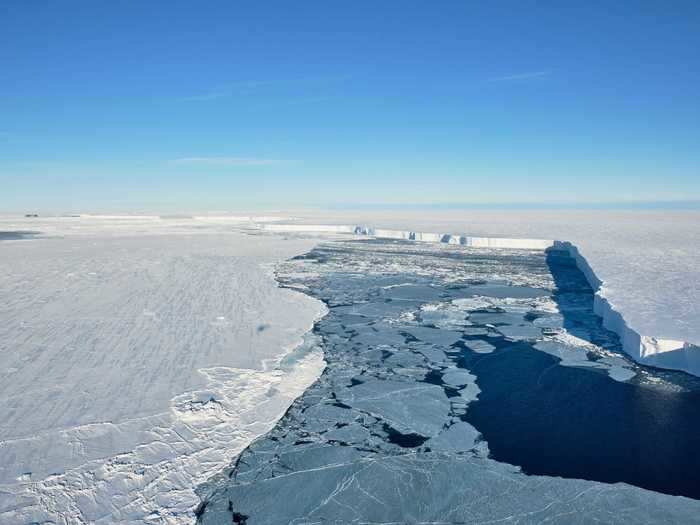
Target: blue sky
[[223, 105]]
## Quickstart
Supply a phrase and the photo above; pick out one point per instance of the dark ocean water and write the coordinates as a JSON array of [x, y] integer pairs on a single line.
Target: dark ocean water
[[376, 437], [579, 423]]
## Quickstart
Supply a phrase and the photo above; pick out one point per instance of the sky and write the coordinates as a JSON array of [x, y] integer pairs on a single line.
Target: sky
[[225, 105]]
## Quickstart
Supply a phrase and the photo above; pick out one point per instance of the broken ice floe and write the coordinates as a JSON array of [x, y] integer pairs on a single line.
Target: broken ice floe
[[384, 434]]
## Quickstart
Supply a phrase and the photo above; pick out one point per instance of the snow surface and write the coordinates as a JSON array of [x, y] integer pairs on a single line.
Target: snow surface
[[137, 357], [647, 263]]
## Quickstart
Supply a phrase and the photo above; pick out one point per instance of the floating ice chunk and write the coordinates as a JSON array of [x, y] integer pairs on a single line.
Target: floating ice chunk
[[476, 330], [526, 331], [569, 355], [479, 346], [577, 356], [412, 409], [444, 315], [433, 335], [550, 321], [353, 433], [473, 303], [614, 361], [414, 292], [457, 377], [459, 437], [570, 339], [470, 392], [619, 373], [432, 353]]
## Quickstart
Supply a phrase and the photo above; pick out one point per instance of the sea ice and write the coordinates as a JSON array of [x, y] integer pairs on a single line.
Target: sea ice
[[645, 261], [384, 435]]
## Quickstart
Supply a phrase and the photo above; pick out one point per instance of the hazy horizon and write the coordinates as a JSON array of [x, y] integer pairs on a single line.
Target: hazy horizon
[[359, 207]]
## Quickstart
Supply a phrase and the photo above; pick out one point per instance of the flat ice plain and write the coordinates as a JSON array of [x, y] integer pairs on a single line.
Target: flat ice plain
[[139, 355]]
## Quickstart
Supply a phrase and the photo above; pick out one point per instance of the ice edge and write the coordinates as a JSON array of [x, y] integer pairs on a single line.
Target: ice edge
[[647, 350]]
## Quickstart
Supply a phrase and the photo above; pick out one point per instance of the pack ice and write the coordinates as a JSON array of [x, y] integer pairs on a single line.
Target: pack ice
[[644, 265]]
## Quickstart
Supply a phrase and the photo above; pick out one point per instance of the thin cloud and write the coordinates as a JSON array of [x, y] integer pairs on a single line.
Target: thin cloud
[[530, 75], [251, 86], [228, 90], [205, 97], [227, 161]]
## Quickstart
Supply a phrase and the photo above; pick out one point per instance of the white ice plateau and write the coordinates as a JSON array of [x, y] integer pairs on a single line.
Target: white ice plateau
[[137, 357]]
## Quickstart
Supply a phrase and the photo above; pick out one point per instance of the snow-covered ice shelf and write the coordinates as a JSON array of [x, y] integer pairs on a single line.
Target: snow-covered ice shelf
[[137, 357], [662, 334]]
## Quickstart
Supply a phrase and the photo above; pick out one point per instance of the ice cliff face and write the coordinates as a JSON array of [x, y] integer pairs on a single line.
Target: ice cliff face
[[643, 348], [447, 238]]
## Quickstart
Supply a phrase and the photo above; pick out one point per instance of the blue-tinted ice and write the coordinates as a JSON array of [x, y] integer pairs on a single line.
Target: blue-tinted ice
[[444, 365]]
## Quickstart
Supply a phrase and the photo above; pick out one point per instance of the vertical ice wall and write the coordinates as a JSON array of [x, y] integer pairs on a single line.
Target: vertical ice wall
[[647, 350]]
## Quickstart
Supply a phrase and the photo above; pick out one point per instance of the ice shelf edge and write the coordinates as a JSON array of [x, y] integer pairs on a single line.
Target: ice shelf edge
[[446, 238], [646, 350]]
